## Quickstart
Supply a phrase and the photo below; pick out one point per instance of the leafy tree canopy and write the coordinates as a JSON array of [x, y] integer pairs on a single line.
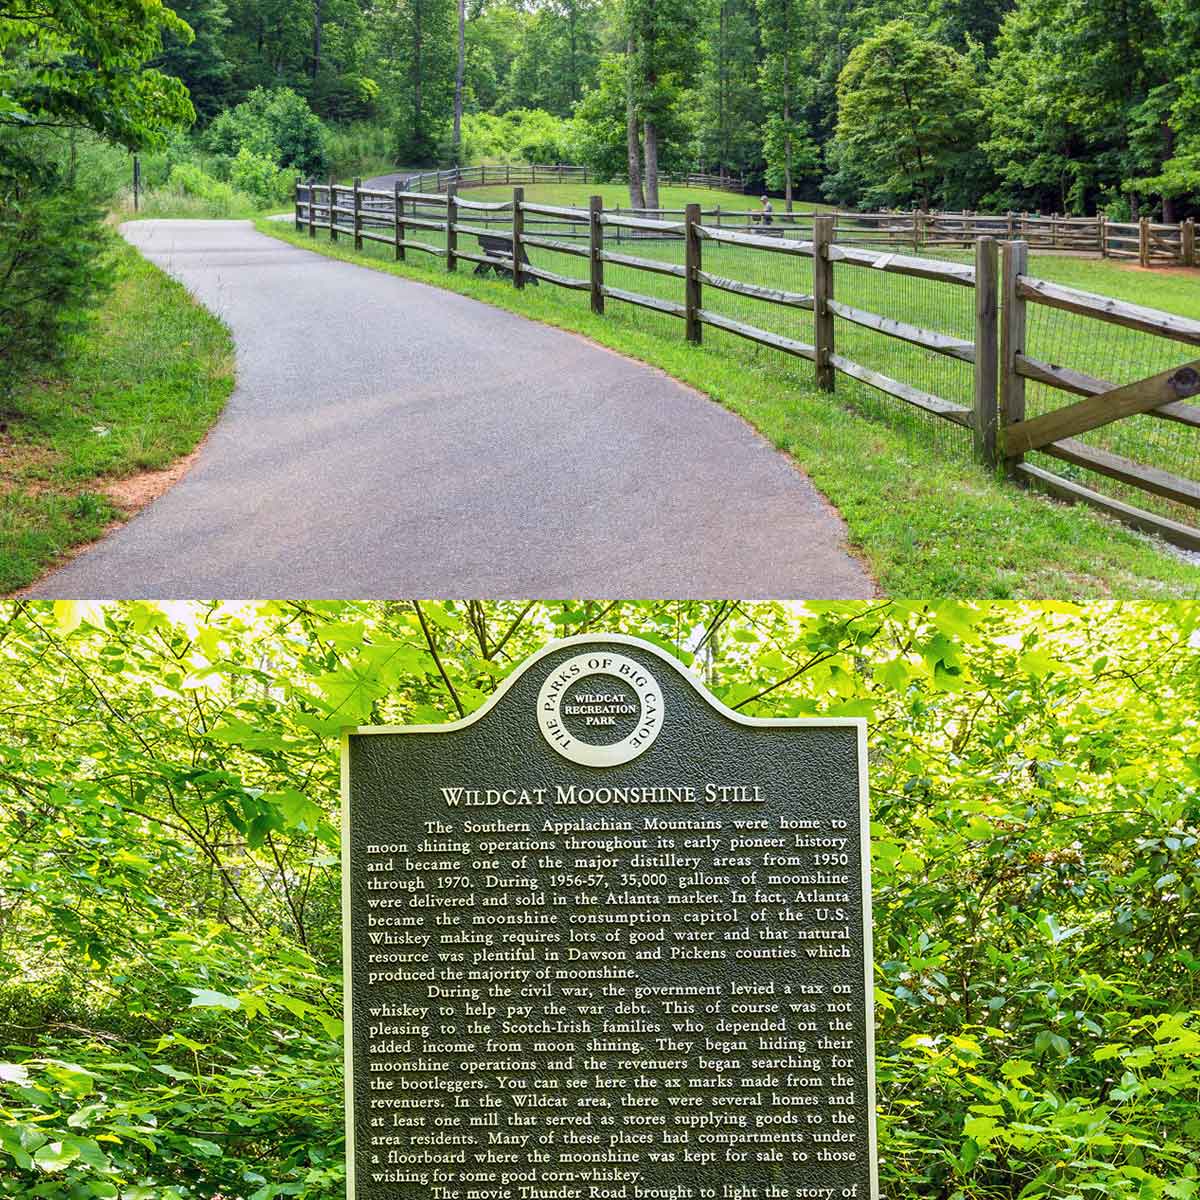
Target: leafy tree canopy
[[82, 64], [908, 106]]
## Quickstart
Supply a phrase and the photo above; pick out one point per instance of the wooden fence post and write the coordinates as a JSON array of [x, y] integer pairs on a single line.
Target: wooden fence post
[[1012, 343], [1144, 241], [357, 214], [398, 222], [312, 208], [822, 294], [332, 214], [451, 221], [518, 234], [1102, 233], [986, 350], [296, 215], [1187, 242], [595, 247], [693, 295]]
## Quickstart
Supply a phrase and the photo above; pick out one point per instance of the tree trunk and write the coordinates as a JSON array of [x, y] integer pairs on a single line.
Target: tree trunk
[[459, 74], [418, 73], [651, 136], [787, 124], [573, 50], [787, 150], [318, 20], [637, 198], [1168, 202]]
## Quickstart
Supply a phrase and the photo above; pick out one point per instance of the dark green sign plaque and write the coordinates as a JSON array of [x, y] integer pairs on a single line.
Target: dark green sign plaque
[[606, 939]]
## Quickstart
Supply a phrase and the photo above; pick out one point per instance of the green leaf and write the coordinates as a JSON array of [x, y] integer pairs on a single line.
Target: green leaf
[[1049, 1040], [206, 998], [56, 1156]]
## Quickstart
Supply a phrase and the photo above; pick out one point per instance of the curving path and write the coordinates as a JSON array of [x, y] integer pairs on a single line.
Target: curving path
[[387, 438]]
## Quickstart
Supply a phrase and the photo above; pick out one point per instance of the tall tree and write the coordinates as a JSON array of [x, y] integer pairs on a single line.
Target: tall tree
[[460, 71], [730, 134], [661, 50], [416, 47], [558, 57], [908, 108], [200, 60], [786, 144], [1100, 105]]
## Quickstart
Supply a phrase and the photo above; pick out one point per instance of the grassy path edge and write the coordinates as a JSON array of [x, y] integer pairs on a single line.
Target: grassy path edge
[[925, 524], [87, 446]]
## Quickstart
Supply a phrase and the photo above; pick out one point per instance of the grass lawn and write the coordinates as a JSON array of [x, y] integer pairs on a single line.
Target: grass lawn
[[576, 195], [927, 520], [617, 195], [139, 388]]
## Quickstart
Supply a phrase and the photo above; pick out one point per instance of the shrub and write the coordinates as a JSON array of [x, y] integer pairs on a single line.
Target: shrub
[[189, 179], [275, 124], [52, 242], [259, 177], [528, 135]]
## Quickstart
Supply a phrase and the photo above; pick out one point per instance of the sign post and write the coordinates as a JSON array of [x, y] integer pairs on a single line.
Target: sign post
[[606, 939]]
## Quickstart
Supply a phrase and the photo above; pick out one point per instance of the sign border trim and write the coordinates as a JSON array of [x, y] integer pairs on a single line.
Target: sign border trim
[[858, 723]]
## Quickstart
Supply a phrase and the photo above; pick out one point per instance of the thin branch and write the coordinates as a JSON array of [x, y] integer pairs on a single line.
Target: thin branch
[[462, 712]]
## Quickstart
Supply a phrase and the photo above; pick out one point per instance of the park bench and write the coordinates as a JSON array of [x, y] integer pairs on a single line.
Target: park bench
[[492, 245]]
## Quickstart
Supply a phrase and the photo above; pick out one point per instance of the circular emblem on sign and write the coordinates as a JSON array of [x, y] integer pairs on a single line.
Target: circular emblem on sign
[[600, 709]]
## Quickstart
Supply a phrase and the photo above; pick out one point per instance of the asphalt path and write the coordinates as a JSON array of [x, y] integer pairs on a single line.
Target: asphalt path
[[387, 438]]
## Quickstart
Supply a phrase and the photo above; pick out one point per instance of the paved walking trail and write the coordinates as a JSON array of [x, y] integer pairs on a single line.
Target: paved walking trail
[[387, 438]]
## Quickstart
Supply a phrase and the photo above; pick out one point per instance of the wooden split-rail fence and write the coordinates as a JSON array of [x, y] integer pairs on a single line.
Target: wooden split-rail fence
[[510, 174], [1150, 243], [1002, 432]]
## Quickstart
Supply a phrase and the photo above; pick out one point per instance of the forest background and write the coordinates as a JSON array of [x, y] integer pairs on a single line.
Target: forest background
[[170, 1011], [1052, 105]]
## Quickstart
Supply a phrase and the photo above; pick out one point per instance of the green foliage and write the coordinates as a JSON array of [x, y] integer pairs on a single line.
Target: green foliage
[[599, 126], [51, 243], [259, 177], [557, 58], [170, 886], [187, 179], [416, 39], [787, 147], [198, 59], [730, 107], [521, 135], [274, 124], [84, 65], [907, 110]]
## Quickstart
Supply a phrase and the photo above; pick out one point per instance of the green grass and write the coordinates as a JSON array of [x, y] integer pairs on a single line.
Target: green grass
[[617, 194], [927, 521], [168, 204], [1105, 351], [139, 388]]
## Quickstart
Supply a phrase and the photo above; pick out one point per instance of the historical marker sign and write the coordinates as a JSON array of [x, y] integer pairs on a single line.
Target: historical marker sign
[[606, 938]]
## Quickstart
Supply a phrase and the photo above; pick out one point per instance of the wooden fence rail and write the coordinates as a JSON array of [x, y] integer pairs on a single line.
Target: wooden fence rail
[[993, 405], [507, 174], [1150, 243]]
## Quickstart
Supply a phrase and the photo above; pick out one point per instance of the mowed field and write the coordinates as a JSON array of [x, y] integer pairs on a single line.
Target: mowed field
[[1101, 350]]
